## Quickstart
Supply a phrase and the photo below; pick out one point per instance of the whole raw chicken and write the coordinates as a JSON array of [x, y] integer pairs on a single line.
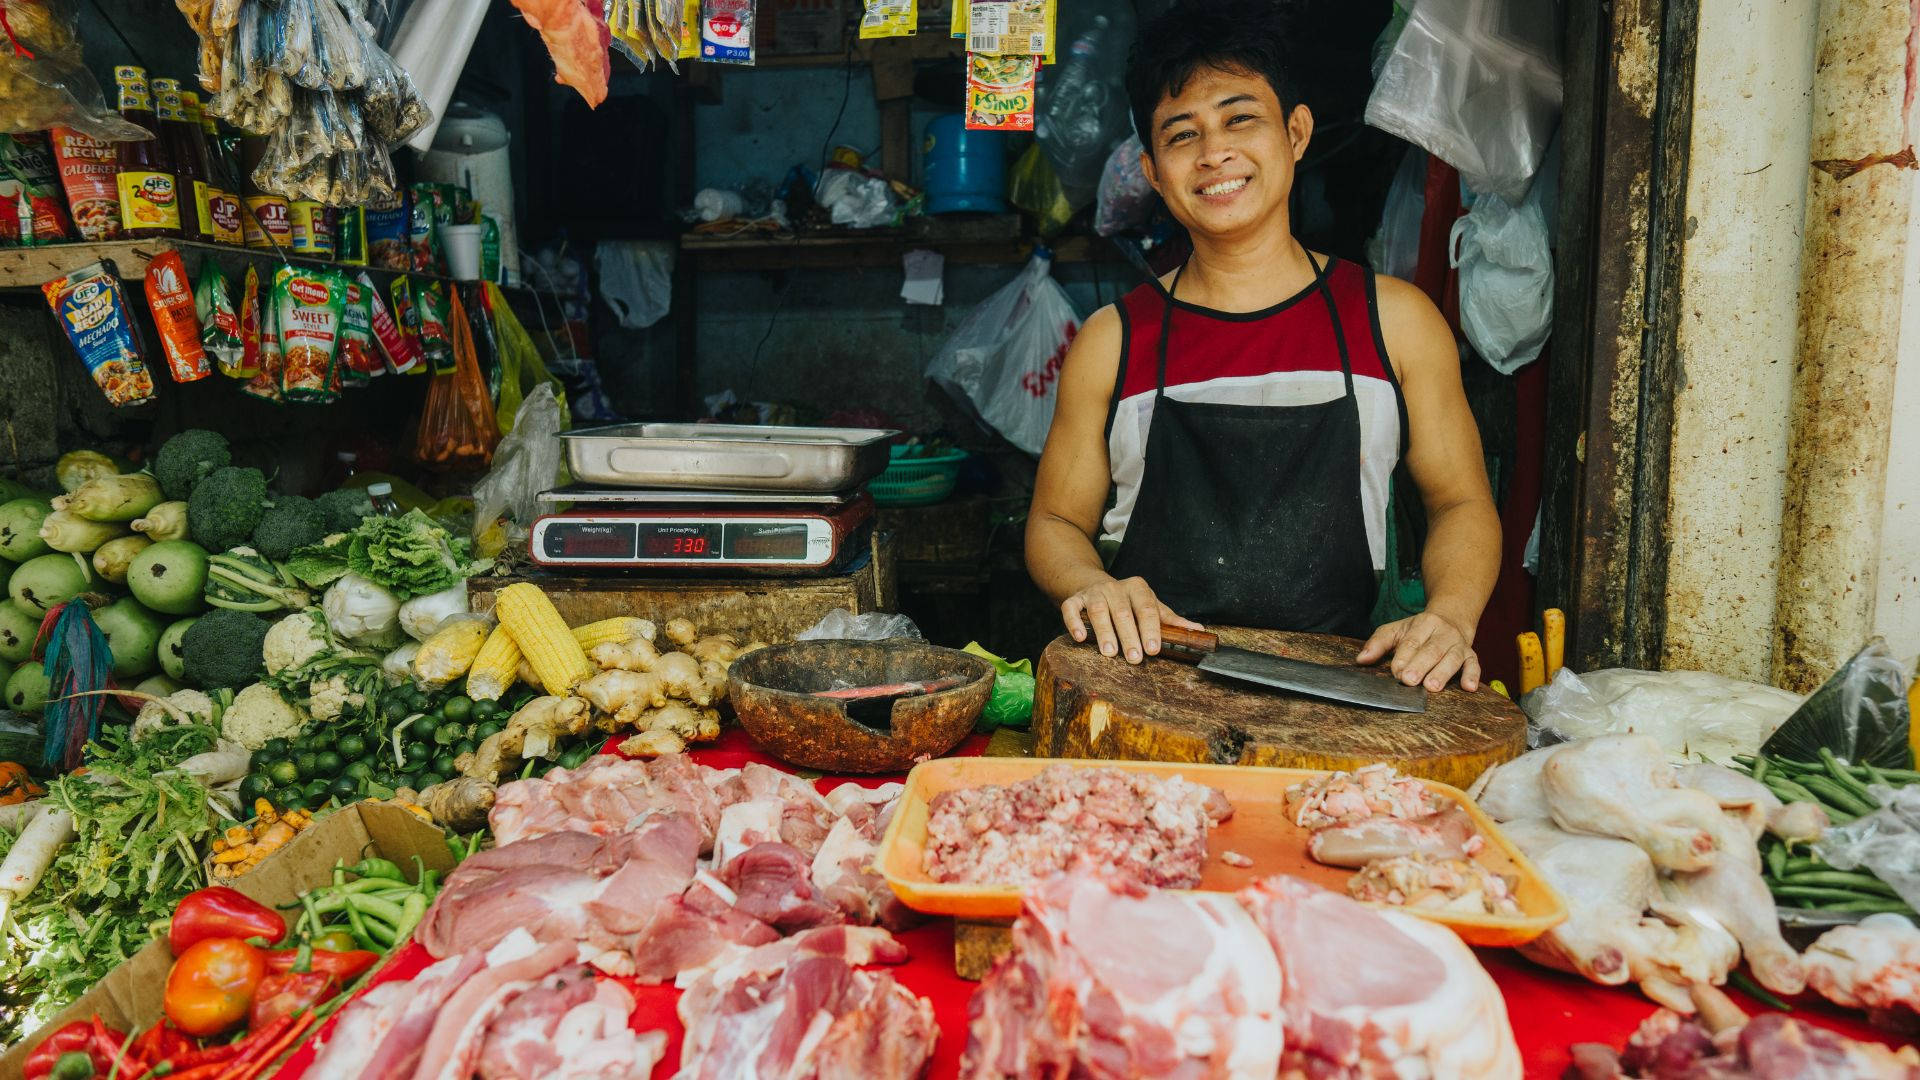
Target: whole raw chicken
[[1622, 785]]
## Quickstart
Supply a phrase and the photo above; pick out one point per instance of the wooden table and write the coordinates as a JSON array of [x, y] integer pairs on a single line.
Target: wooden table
[[1091, 706]]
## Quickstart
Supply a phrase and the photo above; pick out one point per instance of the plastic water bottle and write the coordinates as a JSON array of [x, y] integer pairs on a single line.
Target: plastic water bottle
[[381, 494], [1072, 111]]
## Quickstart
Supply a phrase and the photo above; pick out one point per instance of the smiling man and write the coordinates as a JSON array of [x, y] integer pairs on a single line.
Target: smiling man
[[1228, 433]]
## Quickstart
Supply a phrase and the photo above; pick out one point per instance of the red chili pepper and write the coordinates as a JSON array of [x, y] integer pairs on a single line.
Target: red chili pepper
[[220, 912], [77, 1037], [286, 993], [345, 966]]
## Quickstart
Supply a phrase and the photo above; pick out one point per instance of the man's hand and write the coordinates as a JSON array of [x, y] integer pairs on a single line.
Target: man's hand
[[1427, 647], [1125, 617]]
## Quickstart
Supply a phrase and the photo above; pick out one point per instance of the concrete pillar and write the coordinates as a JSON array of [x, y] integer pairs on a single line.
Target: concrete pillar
[[1853, 263]]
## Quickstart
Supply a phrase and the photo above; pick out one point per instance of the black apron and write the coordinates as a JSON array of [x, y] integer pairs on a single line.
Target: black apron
[[1250, 515]]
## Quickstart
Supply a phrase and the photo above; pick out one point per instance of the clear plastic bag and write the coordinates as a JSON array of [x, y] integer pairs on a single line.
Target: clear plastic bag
[[1690, 712], [1395, 247], [1859, 714], [1887, 841], [1082, 110], [1506, 279], [1125, 196], [45, 83], [843, 625], [1476, 82], [525, 464], [1004, 359]]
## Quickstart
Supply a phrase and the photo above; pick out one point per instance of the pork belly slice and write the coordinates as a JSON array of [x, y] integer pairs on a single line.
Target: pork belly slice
[[606, 795], [1108, 978], [569, 1026]]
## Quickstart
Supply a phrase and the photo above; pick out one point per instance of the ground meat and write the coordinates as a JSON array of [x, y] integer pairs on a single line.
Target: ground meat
[[1149, 828], [1425, 881], [1342, 798]]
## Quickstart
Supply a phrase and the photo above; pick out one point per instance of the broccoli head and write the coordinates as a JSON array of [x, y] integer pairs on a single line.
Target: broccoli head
[[188, 458], [344, 508], [226, 507], [225, 649], [291, 522]]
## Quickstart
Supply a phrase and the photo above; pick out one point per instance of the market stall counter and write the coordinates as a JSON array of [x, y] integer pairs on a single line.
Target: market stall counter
[[1549, 1011]]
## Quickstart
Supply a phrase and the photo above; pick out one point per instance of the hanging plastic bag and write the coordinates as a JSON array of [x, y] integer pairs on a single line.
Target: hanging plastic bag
[[1004, 359], [457, 427], [1886, 841], [1126, 199], [521, 367], [1860, 714], [1476, 82], [636, 279], [45, 83], [1082, 110], [526, 463], [1033, 187], [1395, 247], [1690, 712], [1506, 279]]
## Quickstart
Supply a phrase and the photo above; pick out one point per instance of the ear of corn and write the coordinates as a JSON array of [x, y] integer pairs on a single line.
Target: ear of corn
[[543, 637], [623, 628], [451, 650], [495, 668]]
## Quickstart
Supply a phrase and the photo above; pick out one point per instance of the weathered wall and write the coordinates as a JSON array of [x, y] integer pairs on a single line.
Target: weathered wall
[[1897, 609], [1746, 195]]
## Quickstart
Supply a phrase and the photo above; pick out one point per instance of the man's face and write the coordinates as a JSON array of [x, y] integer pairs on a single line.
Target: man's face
[[1222, 152]]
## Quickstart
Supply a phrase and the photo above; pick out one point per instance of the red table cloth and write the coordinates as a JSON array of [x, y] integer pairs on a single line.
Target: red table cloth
[[1549, 1010]]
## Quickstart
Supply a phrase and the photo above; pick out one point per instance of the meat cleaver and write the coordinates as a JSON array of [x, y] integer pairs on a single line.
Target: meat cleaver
[[1355, 685]]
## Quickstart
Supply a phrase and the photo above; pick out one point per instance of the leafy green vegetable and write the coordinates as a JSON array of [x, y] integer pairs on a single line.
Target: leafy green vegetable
[[411, 555]]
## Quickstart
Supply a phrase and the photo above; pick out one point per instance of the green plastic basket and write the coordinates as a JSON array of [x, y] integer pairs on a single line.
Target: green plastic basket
[[918, 481]]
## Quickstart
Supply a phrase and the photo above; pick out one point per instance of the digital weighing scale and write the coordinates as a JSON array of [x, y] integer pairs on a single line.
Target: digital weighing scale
[[714, 533]]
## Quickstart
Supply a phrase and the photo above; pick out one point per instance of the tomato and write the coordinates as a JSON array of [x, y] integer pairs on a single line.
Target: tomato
[[212, 984]]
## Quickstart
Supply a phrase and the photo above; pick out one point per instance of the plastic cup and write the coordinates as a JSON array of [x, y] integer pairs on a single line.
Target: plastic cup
[[462, 243]]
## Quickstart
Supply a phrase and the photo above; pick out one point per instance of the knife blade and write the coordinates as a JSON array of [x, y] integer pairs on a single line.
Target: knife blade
[[1353, 685]]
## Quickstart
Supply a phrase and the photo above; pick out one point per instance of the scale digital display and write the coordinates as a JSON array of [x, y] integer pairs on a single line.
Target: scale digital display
[[581, 541], [786, 541], [665, 540], [761, 541]]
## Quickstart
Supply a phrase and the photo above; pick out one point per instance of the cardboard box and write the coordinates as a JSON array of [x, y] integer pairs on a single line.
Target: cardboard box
[[129, 997]]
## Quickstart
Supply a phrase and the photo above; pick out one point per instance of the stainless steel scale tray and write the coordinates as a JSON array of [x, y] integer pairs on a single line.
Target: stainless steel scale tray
[[583, 495], [727, 457]]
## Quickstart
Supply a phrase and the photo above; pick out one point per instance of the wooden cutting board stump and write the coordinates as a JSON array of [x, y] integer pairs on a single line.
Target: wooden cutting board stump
[[1090, 706]]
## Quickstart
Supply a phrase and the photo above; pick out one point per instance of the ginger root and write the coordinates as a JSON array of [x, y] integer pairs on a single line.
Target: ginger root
[[668, 730], [679, 676], [629, 692], [531, 732], [681, 632], [714, 674], [634, 654], [460, 804], [718, 648]]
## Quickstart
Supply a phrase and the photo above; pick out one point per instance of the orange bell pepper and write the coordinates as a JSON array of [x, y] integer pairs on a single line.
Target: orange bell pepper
[[212, 985]]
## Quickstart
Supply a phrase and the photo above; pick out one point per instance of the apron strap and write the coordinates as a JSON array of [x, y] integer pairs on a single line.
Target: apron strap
[[1166, 334], [1322, 278]]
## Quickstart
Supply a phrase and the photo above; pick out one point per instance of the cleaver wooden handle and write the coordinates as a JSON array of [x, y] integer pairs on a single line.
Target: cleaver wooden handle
[[1187, 646]]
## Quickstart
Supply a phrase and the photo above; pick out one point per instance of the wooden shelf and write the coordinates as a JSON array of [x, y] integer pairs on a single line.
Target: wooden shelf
[[841, 251], [28, 268]]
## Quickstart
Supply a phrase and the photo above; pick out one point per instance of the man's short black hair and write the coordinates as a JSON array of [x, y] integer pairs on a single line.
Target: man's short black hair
[[1254, 36]]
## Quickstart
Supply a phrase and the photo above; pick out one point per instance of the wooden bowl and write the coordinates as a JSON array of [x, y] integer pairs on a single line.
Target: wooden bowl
[[772, 690]]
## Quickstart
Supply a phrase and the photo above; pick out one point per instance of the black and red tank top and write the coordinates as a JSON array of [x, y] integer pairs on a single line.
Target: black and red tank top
[[1283, 355]]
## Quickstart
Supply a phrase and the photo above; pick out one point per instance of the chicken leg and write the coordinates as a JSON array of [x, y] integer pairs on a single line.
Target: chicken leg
[[1622, 786], [1732, 894]]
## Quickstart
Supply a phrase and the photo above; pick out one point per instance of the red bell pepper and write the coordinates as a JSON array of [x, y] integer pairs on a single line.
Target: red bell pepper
[[344, 966], [212, 984], [220, 912], [286, 993], [90, 1037]]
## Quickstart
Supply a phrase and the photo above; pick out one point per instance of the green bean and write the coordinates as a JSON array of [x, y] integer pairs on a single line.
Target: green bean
[[1835, 796], [1747, 759], [1789, 790], [1838, 879], [1821, 892], [1846, 779], [1757, 992], [1761, 766], [1870, 905], [1801, 865], [1776, 856]]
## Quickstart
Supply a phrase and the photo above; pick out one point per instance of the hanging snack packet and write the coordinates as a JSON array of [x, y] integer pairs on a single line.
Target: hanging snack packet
[[406, 315], [358, 355], [252, 325], [423, 230], [265, 383], [88, 168], [309, 304], [388, 243], [26, 159], [435, 340], [219, 322], [89, 306], [171, 302], [890, 18], [401, 353], [726, 31], [1000, 92]]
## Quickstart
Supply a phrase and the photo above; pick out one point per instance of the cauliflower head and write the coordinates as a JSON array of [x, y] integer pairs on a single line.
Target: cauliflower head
[[328, 698], [259, 713], [164, 713], [296, 639]]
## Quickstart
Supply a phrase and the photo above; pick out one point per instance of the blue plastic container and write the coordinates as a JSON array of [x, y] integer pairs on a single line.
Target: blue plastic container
[[966, 170]]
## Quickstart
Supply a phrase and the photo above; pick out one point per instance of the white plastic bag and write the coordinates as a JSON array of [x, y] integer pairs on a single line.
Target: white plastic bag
[[1004, 360], [1476, 82], [856, 199], [1395, 247], [1506, 280], [526, 463], [1690, 712], [842, 625], [636, 279]]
